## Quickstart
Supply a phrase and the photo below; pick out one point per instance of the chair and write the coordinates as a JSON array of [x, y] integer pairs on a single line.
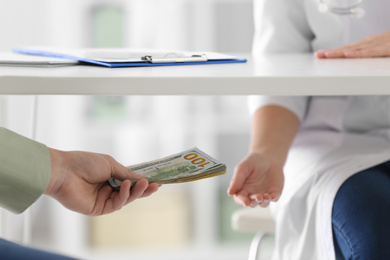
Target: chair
[[256, 220]]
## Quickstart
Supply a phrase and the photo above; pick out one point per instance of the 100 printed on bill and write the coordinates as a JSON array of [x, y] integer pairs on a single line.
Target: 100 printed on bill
[[190, 165]]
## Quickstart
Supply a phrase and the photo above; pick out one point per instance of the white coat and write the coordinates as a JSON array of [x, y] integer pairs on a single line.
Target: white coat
[[339, 136]]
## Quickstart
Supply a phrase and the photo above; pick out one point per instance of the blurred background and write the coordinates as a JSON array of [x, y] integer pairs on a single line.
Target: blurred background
[[181, 221]]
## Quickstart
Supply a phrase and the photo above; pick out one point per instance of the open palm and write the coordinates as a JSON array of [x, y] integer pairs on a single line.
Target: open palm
[[257, 180]]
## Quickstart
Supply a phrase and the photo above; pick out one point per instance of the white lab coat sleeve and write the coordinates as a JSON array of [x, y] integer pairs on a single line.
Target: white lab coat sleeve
[[281, 26]]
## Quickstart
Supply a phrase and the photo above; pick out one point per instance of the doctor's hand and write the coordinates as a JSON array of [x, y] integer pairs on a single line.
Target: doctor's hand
[[369, 47], [78, 181], [257, 180]]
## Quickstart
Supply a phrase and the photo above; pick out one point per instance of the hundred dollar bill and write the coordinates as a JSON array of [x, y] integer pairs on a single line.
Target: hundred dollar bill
[[189, 165]]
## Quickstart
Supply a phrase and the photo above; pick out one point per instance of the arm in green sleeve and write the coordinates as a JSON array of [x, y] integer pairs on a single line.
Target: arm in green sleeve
[[24, 170]]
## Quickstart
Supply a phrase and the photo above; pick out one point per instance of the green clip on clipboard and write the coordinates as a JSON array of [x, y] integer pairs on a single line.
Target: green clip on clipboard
[[114, 58]]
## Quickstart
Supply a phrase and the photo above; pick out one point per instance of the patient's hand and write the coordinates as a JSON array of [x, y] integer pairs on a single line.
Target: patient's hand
[[369, 47]]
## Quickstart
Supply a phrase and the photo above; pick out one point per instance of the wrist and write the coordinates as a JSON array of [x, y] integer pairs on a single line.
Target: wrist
[[271, 154], [59, 165]]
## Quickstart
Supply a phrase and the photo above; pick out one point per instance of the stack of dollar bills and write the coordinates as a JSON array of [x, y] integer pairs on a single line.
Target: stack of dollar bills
[[186, 166]]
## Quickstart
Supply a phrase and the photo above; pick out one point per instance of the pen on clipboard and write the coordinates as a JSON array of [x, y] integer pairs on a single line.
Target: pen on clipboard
[[175, 59]]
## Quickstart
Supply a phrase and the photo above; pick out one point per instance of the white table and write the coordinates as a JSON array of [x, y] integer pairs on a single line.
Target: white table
[[283, 74]]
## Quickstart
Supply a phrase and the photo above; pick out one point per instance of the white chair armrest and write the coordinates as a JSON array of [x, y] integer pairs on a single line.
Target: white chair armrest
[[253, 219]]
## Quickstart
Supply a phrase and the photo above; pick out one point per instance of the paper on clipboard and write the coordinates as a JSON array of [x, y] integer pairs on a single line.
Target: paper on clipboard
[[118, 57], [16, 59]]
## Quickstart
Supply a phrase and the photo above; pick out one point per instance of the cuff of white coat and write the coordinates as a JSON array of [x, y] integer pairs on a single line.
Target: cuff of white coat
[[297, 105], [24, 171]]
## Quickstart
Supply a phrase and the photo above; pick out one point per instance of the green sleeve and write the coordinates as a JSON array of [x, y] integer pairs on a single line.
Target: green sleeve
[[24, 171]]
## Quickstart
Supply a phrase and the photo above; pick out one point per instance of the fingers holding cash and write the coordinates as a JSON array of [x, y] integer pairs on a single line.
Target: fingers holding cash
[[78, 180]]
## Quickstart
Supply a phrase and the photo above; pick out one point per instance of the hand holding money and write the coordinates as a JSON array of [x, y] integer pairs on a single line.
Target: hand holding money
[[78, 180], [186, 166]]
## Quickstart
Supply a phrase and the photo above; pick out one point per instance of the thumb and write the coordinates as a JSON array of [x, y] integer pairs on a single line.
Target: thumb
[[120, 172], [241, 173]]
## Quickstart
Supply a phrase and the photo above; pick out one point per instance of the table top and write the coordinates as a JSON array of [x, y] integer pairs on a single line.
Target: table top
[[278, 74]]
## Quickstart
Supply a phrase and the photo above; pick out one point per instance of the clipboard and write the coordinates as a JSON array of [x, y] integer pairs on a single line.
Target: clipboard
[[121, 57], [15, 59]]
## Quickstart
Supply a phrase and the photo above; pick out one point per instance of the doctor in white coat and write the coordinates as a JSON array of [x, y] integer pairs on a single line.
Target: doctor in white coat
[[323, 159]]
